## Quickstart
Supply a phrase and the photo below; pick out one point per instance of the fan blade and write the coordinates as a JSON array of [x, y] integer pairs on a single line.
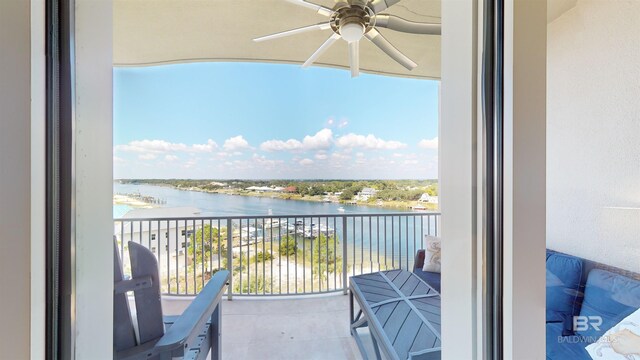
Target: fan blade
[[319, 9], [321, 50], [399, 24], [382, 5], [321, 26], [354, 58], [390, 50]]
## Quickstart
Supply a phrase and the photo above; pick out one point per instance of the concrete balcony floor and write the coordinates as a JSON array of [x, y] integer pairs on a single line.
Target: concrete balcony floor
[[301, 328]]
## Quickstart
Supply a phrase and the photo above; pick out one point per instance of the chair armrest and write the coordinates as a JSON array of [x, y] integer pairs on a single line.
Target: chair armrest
[[188, 326], [419, 261]]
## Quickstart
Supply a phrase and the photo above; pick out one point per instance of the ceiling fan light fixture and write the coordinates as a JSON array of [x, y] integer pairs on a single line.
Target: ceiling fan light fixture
[[351, 32]]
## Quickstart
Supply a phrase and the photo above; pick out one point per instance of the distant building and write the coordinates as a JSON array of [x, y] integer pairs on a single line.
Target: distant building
[[426, 198], [170, 237], [290, 189], [265, 188], [368, 191], [365, 194]]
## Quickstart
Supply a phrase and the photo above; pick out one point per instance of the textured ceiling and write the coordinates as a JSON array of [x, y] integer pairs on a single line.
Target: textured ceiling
[[152, 32]]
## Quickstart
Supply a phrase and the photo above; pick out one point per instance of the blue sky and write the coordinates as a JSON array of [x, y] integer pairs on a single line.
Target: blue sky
[[269, 121]]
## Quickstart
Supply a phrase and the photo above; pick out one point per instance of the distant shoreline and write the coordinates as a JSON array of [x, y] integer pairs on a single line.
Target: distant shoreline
[[373, 203]]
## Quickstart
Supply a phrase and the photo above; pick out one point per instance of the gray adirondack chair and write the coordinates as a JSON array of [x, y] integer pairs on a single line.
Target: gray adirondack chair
[[190, 336]]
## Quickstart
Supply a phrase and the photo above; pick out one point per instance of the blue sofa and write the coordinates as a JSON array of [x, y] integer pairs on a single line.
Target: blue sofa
[[575, 287], [579, 287]]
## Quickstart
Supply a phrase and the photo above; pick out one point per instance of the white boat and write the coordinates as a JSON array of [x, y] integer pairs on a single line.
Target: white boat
[[250, 233], [313, 230], [274, 223], [341, 209]]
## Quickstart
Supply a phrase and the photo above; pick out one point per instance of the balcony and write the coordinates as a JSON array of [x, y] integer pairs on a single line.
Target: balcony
[[289, 272], [283, 328]]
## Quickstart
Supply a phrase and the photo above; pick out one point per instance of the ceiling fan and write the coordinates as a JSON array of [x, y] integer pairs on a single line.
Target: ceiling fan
[[352, 20]]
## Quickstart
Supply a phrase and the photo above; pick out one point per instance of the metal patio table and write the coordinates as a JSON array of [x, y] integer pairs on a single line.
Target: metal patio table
[[401, 311]]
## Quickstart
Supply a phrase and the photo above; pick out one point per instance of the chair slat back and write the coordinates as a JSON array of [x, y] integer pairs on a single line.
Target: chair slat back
[[124, 336], [148, 303]]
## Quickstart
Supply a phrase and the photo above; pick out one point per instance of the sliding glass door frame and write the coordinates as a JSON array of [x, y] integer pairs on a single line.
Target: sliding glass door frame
[[60, 178], [493, 174]]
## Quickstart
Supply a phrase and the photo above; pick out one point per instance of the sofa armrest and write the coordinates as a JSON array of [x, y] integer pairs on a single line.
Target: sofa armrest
[[419, 261]]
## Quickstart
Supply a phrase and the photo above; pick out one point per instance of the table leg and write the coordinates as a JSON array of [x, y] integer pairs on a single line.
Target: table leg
[[351, 312]]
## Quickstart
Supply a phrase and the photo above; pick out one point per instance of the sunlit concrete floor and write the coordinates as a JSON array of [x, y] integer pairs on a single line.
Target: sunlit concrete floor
[[301, 328]]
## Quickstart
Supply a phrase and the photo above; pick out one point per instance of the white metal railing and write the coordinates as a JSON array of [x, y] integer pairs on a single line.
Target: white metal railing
[[277, 255]]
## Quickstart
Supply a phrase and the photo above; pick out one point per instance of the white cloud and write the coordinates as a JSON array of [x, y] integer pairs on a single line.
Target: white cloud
[[429, 143], [343, 123], [410, 162], [266, 163], [321, 156], [236, 143], [339, 156], [147, 156], [279, 145], [208, 147], [190, 163], [321, 140], [368, 142], [258, 162], [305, 162], [151, 146], [159, 147], [171, 158]]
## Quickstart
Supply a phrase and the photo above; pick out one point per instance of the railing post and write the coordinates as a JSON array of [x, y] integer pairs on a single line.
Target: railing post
[[230, 257], [344, 255]]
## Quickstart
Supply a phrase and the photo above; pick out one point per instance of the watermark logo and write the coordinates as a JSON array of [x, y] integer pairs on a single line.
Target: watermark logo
[[583, 323]]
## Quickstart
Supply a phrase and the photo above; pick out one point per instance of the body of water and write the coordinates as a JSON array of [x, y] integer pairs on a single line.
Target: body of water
[[119, 210], [370, 243], [235, 205]]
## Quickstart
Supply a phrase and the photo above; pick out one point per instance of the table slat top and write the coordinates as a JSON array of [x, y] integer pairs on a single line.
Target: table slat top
[[406, 307]]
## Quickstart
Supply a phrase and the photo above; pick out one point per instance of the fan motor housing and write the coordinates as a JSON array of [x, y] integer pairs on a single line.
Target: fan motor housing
[[354, 14]]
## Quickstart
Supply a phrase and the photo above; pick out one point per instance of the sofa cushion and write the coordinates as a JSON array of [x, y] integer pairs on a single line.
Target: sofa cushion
[[431, 278], [561, 318], [564, 282], [610, 296], [561, 347]]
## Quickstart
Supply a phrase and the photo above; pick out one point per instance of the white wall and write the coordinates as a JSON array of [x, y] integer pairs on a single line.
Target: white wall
[[15, 178], [593, 130]]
